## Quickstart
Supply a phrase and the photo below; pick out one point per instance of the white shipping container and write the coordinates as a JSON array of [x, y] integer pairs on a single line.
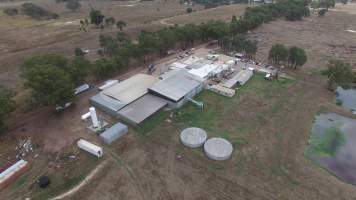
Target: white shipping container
[[90, 148], [14, 167]]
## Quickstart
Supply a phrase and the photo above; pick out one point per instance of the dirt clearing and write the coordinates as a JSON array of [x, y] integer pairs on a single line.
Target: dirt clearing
[[323, 38], [219, 13]]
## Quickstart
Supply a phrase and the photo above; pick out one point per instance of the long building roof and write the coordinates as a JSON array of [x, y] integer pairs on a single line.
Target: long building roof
[[131, 89], [176, 86], [142, 108]]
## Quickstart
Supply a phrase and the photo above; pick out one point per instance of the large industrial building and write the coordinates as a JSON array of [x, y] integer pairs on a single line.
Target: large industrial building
[[138, 97], [129, 100]]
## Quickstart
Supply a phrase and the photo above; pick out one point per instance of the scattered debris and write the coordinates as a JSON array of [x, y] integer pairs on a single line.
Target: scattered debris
[[23, 148], [351, 31]]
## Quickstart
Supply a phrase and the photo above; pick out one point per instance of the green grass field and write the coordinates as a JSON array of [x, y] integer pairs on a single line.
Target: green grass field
[[230, 118]]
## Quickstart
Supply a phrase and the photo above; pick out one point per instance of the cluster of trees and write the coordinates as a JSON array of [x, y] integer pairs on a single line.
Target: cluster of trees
[[7, 105], [97, 18], [322, 6], [238, 43], [37, 12], [340, 74], [212, 3], [292, 57], [52, 78], [11, 11]]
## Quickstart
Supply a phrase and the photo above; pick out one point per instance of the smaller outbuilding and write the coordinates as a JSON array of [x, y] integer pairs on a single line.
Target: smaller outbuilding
[[219, 89], [240, 78], [114, 133]]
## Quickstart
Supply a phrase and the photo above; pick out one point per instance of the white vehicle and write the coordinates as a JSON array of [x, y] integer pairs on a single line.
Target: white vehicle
[[82, 88], [61, 108]]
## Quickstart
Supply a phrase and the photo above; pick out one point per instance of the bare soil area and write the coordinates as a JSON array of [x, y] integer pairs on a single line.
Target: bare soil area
[[323, 38], [219, 13]]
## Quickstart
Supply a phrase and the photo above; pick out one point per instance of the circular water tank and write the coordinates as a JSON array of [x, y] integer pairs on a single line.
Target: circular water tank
[[218, 149], [193, 137]]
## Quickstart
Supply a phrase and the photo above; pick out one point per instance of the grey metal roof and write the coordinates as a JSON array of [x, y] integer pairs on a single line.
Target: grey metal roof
[[114, 133], [132, 88], [106, 101], [142, 108], [241, 77], [176, 86]]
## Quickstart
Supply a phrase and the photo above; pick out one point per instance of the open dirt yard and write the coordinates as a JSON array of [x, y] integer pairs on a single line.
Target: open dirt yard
[[323, 38]]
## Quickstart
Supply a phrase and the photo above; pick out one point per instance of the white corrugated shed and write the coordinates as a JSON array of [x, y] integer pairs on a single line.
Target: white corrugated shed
[[220, 68], [108, 83], [192, 59], [205, 71], [131, 89], [178, 65]]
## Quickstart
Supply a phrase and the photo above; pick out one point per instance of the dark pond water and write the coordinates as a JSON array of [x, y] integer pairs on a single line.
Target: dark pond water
[[346, 97], [341, 160]]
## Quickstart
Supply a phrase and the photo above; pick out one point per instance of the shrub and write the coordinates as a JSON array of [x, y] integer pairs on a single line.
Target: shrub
[[189, 10], [322, 12], [11, 11]]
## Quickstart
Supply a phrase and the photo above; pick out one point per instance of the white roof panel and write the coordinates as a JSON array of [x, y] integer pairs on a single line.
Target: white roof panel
[[131, 89], [176, 86]]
